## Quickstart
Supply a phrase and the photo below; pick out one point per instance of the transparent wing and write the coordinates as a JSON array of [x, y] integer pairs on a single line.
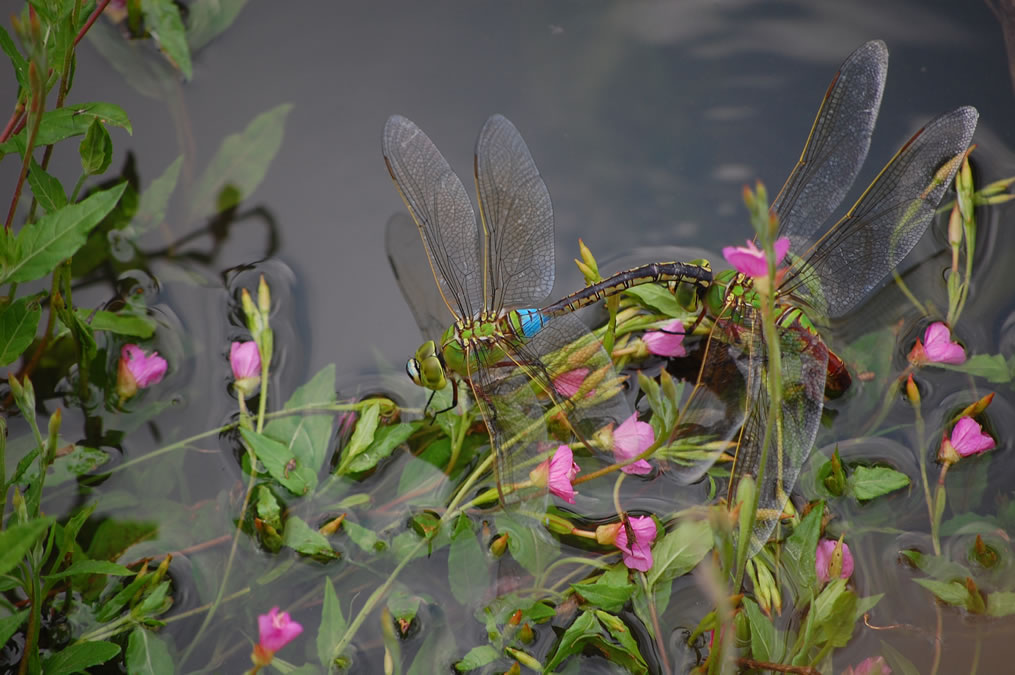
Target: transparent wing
[[438, 203], [516, 212], [836, 147], [414, 277], [804, 364], [856, 253]]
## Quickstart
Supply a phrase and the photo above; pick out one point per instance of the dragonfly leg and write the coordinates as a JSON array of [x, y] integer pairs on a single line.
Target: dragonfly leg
[[454, 400]]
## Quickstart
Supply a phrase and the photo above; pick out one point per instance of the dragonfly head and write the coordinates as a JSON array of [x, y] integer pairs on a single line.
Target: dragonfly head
[[426, 369]]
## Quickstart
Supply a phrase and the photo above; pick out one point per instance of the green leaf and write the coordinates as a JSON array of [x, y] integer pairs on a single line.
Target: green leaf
[[113, 537], [148, 654], [477, 657], [303, 538], [308, 436], [46, 188], [18, 323], [121, 324], [155, 199], [162, 19], [17, 60], [584, 627], [798, 553], [1001, 603], [364, 538], [628, 654], [680, 551], [403, 606], [96, 149], [62, 123], [91, 567], [281, 463], [939, 567], [870, 482], [949, 592], [899, 663], [991, 366], [80, 460], [110, 608], [361, 439], [767, 643], [333, 624], [10, 624], [56, 236], [531, 546], [658, 298], [468, 569], [837, 628], [155, 603], [78, 657], [386, 439], [611, 590], [16, 541], [240, 164], [208, 18]]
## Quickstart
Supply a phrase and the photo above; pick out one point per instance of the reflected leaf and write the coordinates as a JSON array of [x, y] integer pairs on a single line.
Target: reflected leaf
[[146, 72], [148, 653], [332, 626], [307, 435], [530, 545], [870, 482], [240, 164], [281, 463], [301, 537], [155, 199], [162, 19], [468, 568], [208, 18]]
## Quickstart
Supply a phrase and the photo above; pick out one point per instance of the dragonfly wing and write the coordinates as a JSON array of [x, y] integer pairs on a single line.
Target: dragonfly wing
[[804, 362], [856, 254], [517, 215], [438, 203], [836, 147], [401, 240], [714, 412]]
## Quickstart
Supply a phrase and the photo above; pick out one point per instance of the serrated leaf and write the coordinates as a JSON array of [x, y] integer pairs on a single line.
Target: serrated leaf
[[468, 569], [240, 164], [155, 199], [162, 19], [281, 463], [130, 324], [46, 188], [17, 540], [333, 625], [78, 657], [18, 323], [148, 654], [91, 567], [56, 236], [870, 482], [301, 537], [96, 149], [308, 436]]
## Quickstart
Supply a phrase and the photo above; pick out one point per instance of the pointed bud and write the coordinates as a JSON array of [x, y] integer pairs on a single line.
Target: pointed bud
[[556, 524], [977, 407], [526, 634], [516, 618], [250, 312], [985, 555], [589, 259], [965, 188], [955, 227], [330, 527], [499, 545], [974, 603], [525, 659], [160, 571], [263, 297], [912, 391]]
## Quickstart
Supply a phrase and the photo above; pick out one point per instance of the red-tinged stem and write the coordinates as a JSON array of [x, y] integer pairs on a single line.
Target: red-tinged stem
[[16, 117], [91, 19], [38, 105]]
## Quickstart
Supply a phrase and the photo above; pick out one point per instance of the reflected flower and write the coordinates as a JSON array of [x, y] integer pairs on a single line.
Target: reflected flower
[[750, 259], [828, 564], [967, 438], [937, 347], [668, 341], [567, 384], [557, 473], [872, 665], [637, 553], [276, 630], [632, 438], [138, 370]]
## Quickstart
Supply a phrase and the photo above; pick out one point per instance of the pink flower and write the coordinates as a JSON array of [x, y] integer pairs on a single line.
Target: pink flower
[[633, 438], [668, 341], [276, 630], [637, 554], [750, 259], [245, 360], [557, 473], [872, 665], [138, 370], [567, 384], [825, 561], [937, 347], [967, 439]]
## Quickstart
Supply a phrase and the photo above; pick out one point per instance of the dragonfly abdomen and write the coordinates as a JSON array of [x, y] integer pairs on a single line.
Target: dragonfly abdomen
[[670, 273]]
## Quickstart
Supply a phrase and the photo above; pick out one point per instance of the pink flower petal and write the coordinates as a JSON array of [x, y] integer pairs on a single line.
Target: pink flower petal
[[939, 347], [276, 630], [245, 360], [668, 341], [567, 384], [146, 370], [750, 259], [562, 472], [637, 556], [968, 438], [823, 560], [632, 438]]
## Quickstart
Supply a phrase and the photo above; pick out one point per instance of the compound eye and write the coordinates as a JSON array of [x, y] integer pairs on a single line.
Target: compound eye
[[431, 373], [412, 370]]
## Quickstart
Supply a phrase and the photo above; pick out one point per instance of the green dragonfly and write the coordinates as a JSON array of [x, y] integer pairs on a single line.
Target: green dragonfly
[[825, 277], [492, 275]]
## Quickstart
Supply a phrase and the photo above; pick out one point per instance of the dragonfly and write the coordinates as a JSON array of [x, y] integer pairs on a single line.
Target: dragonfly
[[492, 275], [827, 274]]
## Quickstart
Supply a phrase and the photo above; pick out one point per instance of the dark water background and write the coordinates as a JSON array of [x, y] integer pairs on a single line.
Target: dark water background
[[645, 119]]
